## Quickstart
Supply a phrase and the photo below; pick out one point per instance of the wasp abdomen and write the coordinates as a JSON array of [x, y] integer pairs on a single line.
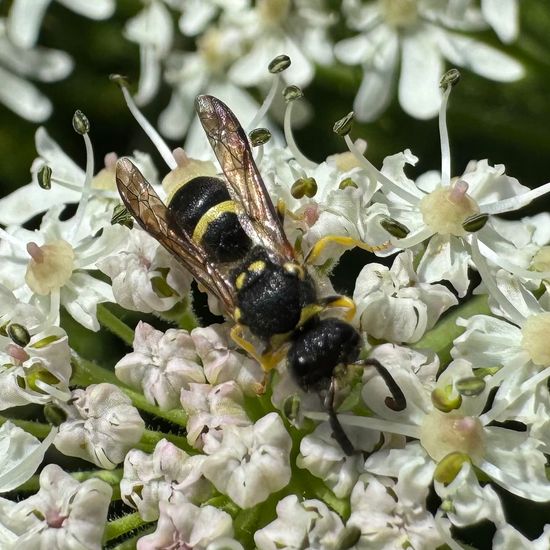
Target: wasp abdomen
[[203, 208], [319, 348]]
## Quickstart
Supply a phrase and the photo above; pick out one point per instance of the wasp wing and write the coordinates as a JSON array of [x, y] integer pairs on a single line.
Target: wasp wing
[[231, 147], [152, 214]]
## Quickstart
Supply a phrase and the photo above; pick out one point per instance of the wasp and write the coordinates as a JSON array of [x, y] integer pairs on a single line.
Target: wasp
[[230, 236]]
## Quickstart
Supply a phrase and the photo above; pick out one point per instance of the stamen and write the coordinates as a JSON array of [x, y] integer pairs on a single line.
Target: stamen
[[444, 138], [370, 423], [447, 82], [413, 239], [512, 268], [515, 203], [304, 161], [147, 127], [481, 265], [266, 105], [377, 175], [86, 187]]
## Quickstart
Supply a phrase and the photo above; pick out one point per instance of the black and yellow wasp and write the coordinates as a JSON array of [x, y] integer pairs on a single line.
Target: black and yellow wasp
[[230, 236]]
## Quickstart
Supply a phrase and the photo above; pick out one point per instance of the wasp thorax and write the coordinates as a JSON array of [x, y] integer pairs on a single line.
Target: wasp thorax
[[399, 13], [535, 331], [51, 266], [445, 433], [446, 209], [294, 269]]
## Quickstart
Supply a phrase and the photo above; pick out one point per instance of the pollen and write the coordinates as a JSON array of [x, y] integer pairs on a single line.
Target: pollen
[[50, 267], [445, 433], [399, 13], [446, 208], [534, 340]]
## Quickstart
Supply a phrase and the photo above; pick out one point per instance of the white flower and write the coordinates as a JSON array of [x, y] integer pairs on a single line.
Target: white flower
[[275, 27], [37, 372], [20, 455], [152, 29], [102, 426], [64, 515], [138, 274], [392, 515], [251, 462], [503, 16], [18, 64], [414, 38], [151, 479], [187, 526], [54, 262], [309, 525], [321, 455], [67, 185], [210, 409], [161, 365], [511, 459], [395, 304], [222, 363], [25, 16]]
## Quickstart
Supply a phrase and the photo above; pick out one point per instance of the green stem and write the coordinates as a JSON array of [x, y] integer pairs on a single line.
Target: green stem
[[150, 438], [112, 323], [86, 372], [440, 339], [121, 526], [131, 543]]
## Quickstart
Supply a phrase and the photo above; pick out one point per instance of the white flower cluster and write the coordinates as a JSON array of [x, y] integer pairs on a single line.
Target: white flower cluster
[[234, 459], [262, 452]]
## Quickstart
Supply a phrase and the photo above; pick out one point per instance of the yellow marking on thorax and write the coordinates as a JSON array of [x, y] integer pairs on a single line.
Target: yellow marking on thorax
[[210, 215], [258, 266], [240, 280]]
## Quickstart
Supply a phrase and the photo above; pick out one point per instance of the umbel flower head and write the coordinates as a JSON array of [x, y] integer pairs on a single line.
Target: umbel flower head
[[202, 436]]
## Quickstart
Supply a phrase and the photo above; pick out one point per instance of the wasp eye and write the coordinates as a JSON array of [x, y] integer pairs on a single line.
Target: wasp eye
[[295, 269]]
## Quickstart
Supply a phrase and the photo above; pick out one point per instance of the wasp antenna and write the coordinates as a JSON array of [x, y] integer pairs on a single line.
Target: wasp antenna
[[397, 401], [337, 431]]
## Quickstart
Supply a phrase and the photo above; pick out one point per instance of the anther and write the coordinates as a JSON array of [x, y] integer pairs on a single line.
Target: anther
[[259, 136], [292, 93], [394, 228], [279, 64], [450, 78], [475, 223], [81, 124], [44, 177], [18, 334], [343, 126]]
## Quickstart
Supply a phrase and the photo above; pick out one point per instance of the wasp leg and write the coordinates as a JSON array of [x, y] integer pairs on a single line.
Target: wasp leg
[[342, 302], [318, 247], [337, 431], [397, 401], [268, 360]]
